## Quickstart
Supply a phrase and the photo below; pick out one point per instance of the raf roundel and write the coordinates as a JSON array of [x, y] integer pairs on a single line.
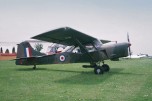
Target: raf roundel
[[62, 58]]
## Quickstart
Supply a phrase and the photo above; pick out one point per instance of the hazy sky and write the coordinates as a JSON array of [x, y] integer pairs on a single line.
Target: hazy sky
[[103, 19]]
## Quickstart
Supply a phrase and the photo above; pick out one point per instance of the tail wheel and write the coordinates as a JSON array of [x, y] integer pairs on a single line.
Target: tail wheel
[[98, 70], [106, 67], [34, 67]]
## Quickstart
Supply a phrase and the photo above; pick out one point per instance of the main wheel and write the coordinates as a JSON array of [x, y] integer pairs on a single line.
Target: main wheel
[[106, 67], [98, 70]]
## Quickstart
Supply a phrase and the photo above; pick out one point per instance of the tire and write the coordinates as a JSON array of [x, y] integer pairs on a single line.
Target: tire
[[98, 70], [106, 67]]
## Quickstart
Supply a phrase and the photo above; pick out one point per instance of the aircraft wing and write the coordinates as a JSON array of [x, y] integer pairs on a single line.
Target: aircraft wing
[[65, 36]]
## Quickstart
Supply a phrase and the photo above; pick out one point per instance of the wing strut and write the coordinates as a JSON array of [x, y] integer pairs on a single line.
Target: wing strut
[[84, 50]]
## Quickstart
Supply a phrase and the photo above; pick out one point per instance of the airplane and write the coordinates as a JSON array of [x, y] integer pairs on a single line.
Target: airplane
[[81, 48], [134, 56]]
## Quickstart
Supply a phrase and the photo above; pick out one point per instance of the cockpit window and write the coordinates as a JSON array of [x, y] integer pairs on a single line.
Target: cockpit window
[[97, 44], [89, 47]]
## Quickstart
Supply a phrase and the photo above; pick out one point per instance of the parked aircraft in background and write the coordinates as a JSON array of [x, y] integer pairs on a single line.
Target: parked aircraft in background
[[138, 56], [81, 48]]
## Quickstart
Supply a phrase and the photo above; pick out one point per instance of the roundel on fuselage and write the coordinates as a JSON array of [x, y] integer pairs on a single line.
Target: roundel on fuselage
[[62, 58]]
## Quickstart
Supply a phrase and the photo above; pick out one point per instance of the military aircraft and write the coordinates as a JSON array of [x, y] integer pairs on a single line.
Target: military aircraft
[[82, 48]]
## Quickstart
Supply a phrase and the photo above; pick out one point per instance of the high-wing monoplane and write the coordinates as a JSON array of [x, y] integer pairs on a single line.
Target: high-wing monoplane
[[81, 48]]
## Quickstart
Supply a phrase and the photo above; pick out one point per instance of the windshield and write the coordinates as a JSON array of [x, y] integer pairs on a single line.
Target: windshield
[[97, 44]]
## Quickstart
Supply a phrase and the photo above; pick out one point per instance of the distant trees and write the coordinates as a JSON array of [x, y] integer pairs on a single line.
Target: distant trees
[[13, 50], [7, 51], [38, 47], [1, 50]]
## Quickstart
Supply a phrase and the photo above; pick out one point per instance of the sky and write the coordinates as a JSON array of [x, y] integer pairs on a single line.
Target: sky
[[104, 19]]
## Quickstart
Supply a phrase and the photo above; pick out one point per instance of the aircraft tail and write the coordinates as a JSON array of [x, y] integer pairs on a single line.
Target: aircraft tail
[[25, 51]]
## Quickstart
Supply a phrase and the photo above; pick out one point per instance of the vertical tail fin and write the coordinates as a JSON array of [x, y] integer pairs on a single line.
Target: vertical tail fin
[[28, 52], [25, 50]]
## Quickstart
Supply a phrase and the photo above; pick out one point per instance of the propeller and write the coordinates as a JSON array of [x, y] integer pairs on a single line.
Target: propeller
[[129, 49]]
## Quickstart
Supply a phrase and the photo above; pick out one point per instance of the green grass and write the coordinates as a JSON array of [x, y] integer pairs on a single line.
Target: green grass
[[128, 80]]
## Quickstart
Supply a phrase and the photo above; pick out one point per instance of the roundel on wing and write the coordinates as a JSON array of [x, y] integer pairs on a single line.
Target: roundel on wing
[[62, 58]]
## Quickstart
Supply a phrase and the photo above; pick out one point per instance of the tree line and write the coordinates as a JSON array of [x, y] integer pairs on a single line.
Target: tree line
[[7, 50], [38, 47]]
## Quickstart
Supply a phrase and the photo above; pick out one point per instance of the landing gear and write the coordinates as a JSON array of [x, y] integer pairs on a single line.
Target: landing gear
[[106, 67], [34, 67], [101, 69], [98, 70]]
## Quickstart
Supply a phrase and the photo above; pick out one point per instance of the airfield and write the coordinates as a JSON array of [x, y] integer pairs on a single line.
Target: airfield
[[128, 80]]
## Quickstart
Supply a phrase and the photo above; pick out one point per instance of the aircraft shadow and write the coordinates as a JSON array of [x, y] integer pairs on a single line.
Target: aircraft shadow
[[117, 72], [68, 71], [30, 69], [125, 73], [86, 78], [83, 77]]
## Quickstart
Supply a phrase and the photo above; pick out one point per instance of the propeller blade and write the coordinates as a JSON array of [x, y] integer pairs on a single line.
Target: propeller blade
[[129, 49], [128, 37]]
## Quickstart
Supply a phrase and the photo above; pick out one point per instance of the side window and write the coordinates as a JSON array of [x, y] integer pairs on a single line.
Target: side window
[[77, 50]]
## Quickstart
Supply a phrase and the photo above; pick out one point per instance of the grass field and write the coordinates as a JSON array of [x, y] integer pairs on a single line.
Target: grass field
[[128, 80]]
